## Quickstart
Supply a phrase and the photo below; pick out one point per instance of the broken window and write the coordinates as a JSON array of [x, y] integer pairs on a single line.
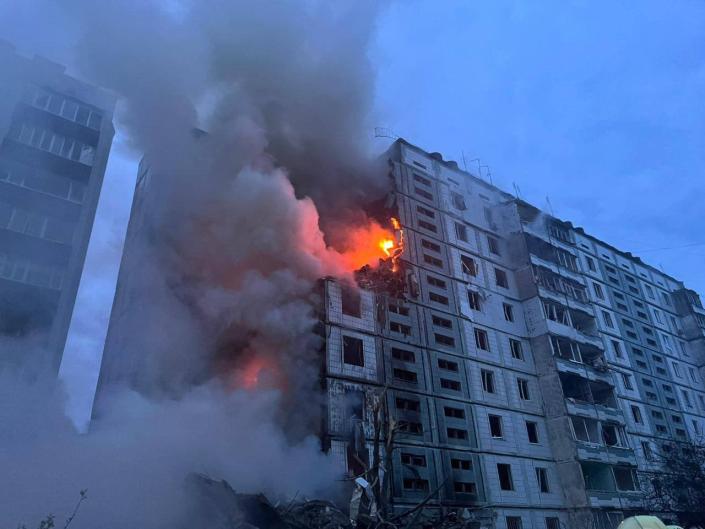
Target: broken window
[[557, 313], [607, 317], [542, 479], [458, 201], [532, 432], [590, 263], [585, 429], [523, 386], [515, 346], [495, 426], [474, 300], [617, 348], [487, 381], [351, 301], [505, 483], [398, 309], [493, 245], [508, 312], [482, 340], [636, 414], [461, 232], [613, 435], [627, 379], [501, 278], [353, 351], [625, 478], [468, 264]]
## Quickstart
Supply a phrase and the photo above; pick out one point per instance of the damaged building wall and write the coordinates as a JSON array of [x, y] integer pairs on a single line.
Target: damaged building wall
[[532, 338]]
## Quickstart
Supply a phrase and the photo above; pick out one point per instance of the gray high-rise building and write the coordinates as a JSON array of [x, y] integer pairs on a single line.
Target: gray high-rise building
[[530, 371], [55, 133]]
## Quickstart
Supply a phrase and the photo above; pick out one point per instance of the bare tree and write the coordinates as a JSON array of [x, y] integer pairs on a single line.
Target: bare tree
[[678, 486]]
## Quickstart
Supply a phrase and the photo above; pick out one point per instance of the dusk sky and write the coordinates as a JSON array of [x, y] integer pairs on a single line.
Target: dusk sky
[[596, 105]]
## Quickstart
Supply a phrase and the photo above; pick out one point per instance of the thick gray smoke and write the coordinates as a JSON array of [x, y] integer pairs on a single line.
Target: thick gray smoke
[[240, 223]]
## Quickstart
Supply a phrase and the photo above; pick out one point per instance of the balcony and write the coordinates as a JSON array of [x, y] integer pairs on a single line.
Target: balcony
[[601, 441], [584, 360], [593, 398], [559, 260], [571, 323], [606, 485]]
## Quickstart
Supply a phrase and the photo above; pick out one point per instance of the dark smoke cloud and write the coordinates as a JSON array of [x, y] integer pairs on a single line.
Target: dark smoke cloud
[[238, 226]]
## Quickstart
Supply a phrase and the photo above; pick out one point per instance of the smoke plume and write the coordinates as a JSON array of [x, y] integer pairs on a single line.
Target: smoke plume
[[252, 117]]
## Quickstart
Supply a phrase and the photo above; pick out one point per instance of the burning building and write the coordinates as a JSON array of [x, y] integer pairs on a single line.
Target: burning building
[[484, 359], [504, 363]]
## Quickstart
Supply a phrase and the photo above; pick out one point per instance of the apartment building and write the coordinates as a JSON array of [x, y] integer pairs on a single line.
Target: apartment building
[[55, 134], [531, 371]]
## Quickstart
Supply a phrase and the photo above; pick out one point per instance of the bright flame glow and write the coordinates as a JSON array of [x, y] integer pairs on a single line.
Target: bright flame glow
[[386, 245]]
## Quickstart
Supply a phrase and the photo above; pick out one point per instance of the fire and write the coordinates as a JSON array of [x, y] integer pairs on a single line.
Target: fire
[[258, 372], [386, 245]]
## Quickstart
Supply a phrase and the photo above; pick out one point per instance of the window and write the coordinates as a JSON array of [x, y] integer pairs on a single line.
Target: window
[[532, 432], [514, 522], [453, 385], [400, 328], [454, 413], [411, 427], [351, 301], [515, 346], [461, 464], [501, 278], [648, 452], [481, 340], [423, 193], [657, 315], [508, 312], [353, 351], [676, 369], [458, 201], [636, 413], [693, 377], [426, 212], [625, 478], [430, 245], [408, 404], [421, 179], [686, 398], [607, 317], [398, 309], [468, 265], [437, 298], [447, 365], [523, 386], [456, 433], [493, 245], [405, 375], [461, 232], [627, 379], [428, 226], [487, 381], [590, 263], [617, 348], [464, 487], [413, 460], [435, 282], [403, 355], [542, 479], [432, 260], [441, 322], [474, 300], [415, 484], [505, 480], [495, 426], [553, 523], [598, 290]]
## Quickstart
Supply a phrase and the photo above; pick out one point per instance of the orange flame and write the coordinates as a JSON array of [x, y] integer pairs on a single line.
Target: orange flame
[[386, 245]]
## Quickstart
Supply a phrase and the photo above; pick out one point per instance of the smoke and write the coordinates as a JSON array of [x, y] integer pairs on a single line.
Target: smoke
[[252, 118]]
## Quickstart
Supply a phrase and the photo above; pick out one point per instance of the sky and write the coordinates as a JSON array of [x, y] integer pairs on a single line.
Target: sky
[[596, 107]]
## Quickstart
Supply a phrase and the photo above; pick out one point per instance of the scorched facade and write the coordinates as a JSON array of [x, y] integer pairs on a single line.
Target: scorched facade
[[528, 370]]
